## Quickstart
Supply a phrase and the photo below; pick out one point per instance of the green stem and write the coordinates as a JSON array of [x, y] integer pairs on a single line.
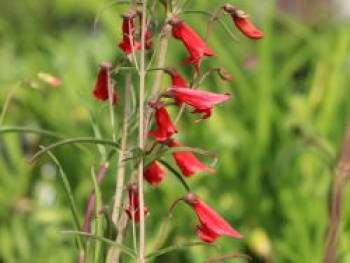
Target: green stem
[[8, 100]]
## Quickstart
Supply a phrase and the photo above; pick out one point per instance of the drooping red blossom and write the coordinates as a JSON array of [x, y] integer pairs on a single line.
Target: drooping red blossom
[[154, 174], [165, 126], [195, 46], [188, 162], [133, 210], [148, 34], [201, 101], [101, 86], [176, 79], [242, 22], [128, 43], [212, 224]]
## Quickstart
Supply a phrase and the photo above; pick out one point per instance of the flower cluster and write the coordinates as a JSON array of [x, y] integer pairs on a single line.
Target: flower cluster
[[180, 94]]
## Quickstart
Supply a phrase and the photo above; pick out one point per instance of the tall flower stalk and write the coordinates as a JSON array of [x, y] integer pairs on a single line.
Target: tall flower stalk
[[142, 74], [148, 150]]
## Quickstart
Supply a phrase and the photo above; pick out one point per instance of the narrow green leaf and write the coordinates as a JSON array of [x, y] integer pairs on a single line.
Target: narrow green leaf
[[72, 141], [97, 133], [16, 129], [70, 198], [99, 218], [179, 247], [176, 173], [107, 241], [225, 257], [8, 101]]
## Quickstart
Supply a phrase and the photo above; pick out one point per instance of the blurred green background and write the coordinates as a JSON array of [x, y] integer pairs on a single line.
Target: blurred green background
[[277, 139]]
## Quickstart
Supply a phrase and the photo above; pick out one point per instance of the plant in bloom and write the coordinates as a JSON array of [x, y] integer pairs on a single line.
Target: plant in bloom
[[212, 224], [101, 87], [154, 174], [188, 162], [155, 149], [242, 22], [195, 46], [133, 210]]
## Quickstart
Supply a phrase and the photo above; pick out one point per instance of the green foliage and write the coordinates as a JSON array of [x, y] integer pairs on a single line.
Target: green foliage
[[276, 141]]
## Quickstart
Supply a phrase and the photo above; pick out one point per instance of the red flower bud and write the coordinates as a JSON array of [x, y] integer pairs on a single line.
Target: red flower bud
[[212, 224], [241, 20], [195, 46], [201, 101], [128, 44], [188, 162], [49, 79], [224, 75], [133, 211], [165, 127], [154, 174], [101, 86]]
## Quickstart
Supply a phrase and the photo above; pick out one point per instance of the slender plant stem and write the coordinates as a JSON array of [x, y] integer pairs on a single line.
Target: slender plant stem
[[122, 226], [142, 73], [341, 176], [114, 251], [8, 100], [91, 203], [122, 155], [110, 102], [159, 74], [336, 208]]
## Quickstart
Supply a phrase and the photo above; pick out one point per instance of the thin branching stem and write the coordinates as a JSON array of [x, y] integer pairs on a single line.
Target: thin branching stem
[[122, 155]]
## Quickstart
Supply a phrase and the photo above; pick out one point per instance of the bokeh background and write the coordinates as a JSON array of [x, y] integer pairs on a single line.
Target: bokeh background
[[277, 140]]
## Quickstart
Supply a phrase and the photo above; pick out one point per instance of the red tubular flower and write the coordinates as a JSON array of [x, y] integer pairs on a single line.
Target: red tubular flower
[[128, 44], [212, 224], [195, 46], [165, 127], [176, 79], [241, 20], [154, 174], [133, 211], [201, 101], [101, 86], [188, 162]]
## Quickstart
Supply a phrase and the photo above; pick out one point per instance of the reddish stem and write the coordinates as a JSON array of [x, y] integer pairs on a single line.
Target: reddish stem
[[91, 204]]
